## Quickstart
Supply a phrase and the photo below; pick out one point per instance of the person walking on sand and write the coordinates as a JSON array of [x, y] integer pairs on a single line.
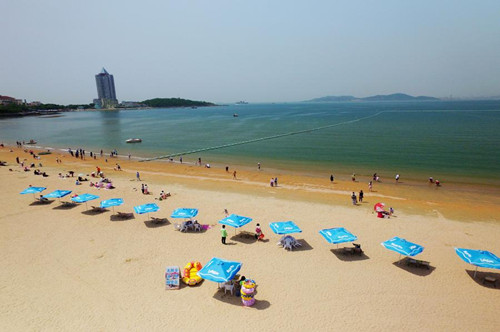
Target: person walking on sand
[[331, 178], [271, 183], [353, 197], [142, 188], [223, 234], [353, 177], [258, 166], [137, 175], [234, 175], [276, 181], [370, 186], [361, 195], [397, 178], [226, 212]]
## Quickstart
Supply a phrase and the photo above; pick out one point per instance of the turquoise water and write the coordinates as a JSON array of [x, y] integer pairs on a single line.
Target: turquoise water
[[456, 140]]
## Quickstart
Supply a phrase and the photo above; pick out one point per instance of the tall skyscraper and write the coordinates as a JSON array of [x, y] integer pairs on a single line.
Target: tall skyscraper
[[106, 95]]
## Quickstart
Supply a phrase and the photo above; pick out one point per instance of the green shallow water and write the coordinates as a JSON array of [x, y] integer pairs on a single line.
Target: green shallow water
[[449, 140]]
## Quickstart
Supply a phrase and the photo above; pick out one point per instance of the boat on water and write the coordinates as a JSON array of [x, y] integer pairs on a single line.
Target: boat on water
[[31, 141], [241, 102], [134, 140], [235, 115]]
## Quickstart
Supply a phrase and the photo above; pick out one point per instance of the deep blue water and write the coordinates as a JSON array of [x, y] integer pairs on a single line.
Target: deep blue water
[[446, 139]]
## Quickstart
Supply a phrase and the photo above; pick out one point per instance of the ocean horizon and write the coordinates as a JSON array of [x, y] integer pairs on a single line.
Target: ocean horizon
[[450, 140]]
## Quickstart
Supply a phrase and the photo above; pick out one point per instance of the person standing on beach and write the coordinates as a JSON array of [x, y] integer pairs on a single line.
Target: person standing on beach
[[258, 166], [180, 159], [142, 188], [331, 178], [353, 197], [227, 168], [275, 181], [138, 176], [223, 233], [271, 183], [397, 178], [353, 177], [370, 186], [361, 194], [234, 175]]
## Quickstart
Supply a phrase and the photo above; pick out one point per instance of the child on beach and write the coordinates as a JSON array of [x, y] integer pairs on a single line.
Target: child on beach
[[223, 233]]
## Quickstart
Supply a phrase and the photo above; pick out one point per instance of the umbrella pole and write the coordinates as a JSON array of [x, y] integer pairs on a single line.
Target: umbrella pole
[[399, 258], [475, 272]]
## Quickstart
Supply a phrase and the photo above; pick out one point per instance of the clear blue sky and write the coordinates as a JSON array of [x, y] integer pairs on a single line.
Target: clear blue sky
[[258, 51]]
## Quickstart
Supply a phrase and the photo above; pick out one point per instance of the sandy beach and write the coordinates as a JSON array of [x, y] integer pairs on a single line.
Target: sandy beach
[[68, 269]]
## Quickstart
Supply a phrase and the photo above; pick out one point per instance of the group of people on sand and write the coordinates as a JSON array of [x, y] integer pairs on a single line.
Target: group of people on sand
[[356, 199], [273, 182]]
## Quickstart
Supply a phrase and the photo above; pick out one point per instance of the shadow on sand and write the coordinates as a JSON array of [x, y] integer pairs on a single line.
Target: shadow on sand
[[420, 271], [236, 300], [156, 222], [65, 207], [348, 257], [38, 203], [116, 217], [479, 279]]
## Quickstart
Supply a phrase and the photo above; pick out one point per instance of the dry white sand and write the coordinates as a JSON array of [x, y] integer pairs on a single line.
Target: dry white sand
[[65, 269]]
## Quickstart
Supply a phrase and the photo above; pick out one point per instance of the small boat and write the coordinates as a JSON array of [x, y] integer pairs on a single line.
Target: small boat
[[31, 141], [235, 115], [134, 140]]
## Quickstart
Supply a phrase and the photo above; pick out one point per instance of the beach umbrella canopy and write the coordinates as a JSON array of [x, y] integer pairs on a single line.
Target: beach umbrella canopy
[[481, 258], [32, 190], [111, 202], [337, 235], [58, 194], [403, 247], [184, 213], [379, 207], [219, 270], [235, 221], [146, 208], [84, 198], [285, 227]]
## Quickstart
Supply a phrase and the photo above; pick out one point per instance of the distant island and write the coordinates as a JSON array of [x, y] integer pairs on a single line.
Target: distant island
[[175, 102], [391, 97]]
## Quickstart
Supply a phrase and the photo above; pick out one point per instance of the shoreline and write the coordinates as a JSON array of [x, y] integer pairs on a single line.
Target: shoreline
[[457, 201]]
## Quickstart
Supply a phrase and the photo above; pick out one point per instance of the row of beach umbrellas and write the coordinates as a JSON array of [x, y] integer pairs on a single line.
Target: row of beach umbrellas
[[478, 258]]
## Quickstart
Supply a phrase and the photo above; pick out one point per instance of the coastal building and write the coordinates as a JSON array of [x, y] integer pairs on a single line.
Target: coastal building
[[106, 94], [5, 100]]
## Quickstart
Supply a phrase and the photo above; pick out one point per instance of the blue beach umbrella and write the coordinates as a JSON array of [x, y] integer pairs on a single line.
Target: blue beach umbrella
[[146, 208], [58, 194], [403, 247], [337, 235], [84, 198], [184, 213], [32, 190], [284, 227], [481, 258], [112, 202], [235, 221], [219, 270]]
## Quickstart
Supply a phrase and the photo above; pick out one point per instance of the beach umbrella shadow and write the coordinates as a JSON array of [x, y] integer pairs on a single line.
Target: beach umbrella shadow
[[348, 257], [156, 222], [479, 278], [304, 247], [38, 203], [418, 271], [116, 217]]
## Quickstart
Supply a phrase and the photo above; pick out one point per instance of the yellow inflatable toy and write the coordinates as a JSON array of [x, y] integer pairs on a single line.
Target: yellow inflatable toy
[[190, 276]]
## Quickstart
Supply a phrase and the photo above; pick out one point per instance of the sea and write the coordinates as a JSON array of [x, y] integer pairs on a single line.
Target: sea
[[449, 140]]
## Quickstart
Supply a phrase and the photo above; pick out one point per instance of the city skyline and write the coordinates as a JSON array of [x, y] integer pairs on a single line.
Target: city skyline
[[258, 52]]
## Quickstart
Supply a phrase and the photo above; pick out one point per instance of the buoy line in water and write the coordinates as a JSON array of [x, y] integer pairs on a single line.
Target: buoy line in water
[[261, 138]]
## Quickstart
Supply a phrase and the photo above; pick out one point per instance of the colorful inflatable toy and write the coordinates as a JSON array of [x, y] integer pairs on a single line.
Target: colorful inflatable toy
[[190, 274], [248, 292]]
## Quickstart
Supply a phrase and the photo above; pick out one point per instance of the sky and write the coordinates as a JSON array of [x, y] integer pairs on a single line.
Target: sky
[[257, 51]]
